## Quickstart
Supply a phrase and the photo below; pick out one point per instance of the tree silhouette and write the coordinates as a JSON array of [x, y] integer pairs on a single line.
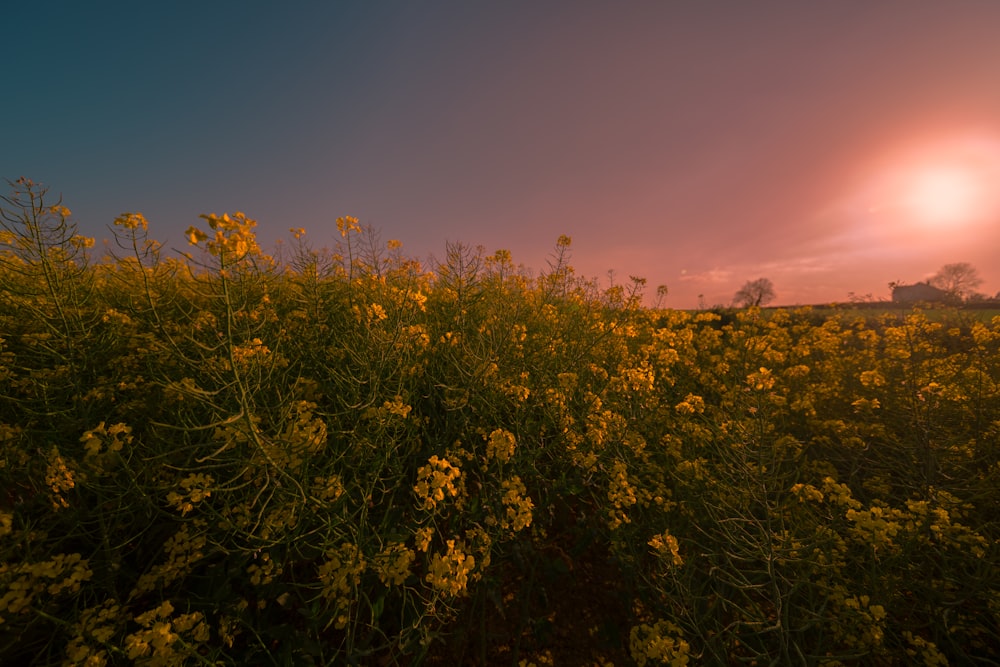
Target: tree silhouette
[[758, 292], [959, 280]]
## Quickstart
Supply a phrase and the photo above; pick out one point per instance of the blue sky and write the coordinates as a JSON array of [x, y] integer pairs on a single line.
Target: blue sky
[[830, 146]]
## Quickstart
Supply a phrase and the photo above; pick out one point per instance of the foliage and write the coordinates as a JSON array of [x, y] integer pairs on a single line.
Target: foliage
[[959, 280], [344, 458], [758, 292]]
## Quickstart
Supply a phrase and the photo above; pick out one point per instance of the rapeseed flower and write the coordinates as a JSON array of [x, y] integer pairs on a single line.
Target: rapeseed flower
[[435, 482]]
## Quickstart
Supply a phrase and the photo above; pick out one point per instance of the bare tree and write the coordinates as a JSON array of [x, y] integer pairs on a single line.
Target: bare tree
[[758, 292], [959, 280]]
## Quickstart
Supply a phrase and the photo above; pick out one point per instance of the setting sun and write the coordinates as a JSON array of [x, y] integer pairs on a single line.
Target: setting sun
[[929, 189], [944, 195]]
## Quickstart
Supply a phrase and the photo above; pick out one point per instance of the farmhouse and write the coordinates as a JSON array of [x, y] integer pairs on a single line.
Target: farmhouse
[[919, 292]]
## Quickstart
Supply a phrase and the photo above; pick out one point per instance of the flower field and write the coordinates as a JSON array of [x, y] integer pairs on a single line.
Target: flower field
[[340, 456]]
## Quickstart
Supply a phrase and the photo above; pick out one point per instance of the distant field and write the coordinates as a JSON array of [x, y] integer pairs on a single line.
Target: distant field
[[936, 313]]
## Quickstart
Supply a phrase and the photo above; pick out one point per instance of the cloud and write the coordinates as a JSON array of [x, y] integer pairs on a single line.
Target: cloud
[[797, 266], [714, 276]]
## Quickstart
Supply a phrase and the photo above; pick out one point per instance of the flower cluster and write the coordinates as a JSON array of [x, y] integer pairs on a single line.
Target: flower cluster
[[234, 238], [340, 575], [659, 644], [450, 572], [253, 352], [665, 546], [621, 493], [393, 564], [132, 221], [96, 625], [196, 487], [347, 224], [328, 489], [182, 550], [263, 570], [63, 573], [304, 436], [500, 446], [59, 478], [164, 639], [518, 505], [691, 405], [436, 481]]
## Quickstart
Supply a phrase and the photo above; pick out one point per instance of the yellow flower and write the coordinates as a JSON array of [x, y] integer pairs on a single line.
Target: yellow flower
[[423, 537], [59, 478], [666, 548], [872, 379], [182, 550], [79, 241], [234, 237], [435, 482], [347, 224], [806, 492], [393, 564], [518, 506], [132, 221], [196, 488], [449, 572], [340, 576], [925, 649], [397, 407], [500, 445], [195, 235], [263, 571], [328, 488], [691, 404], [762, 380], [621, 492], [420, 299], [661, 643]]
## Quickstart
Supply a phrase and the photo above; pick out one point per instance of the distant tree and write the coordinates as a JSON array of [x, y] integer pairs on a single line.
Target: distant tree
[[959, 280], [758, 292], [977, 297]]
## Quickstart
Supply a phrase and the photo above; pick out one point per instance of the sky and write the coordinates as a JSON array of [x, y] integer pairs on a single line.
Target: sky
[[831, 147]]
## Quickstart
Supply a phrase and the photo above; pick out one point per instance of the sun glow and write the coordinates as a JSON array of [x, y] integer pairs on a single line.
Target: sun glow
[[944, 185], [945, 195]]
